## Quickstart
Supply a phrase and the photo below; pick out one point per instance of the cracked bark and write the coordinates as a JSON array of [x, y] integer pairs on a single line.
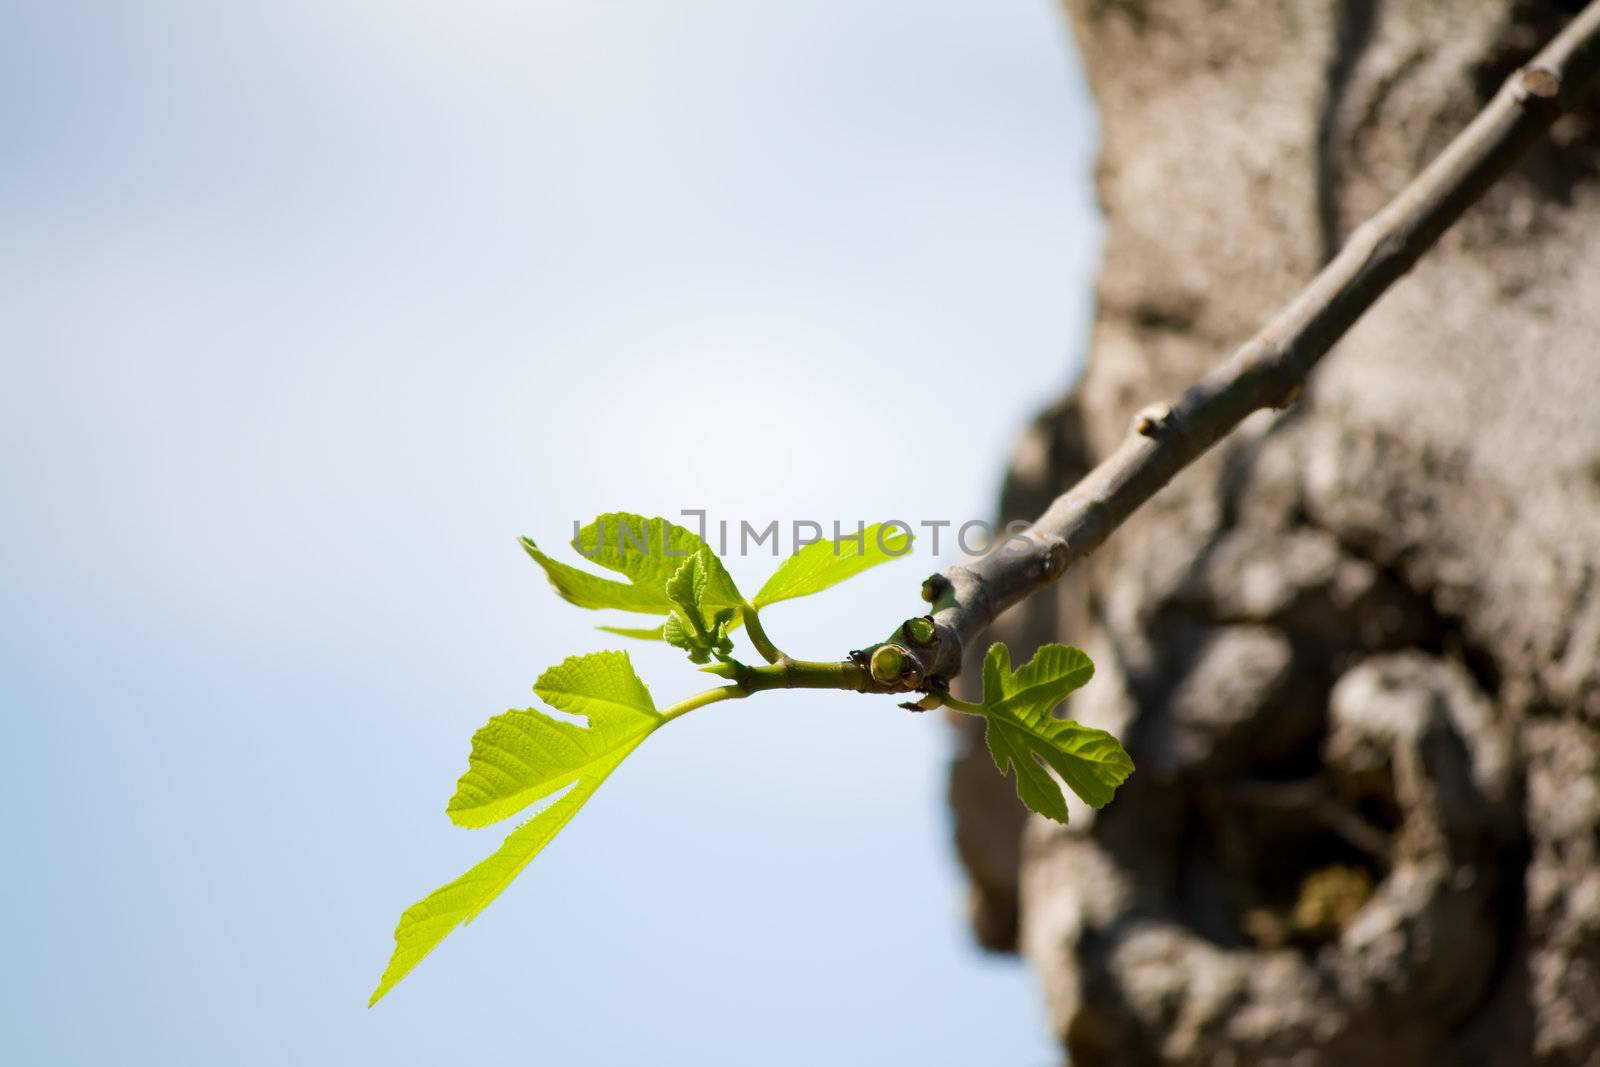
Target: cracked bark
[[1361, 637]]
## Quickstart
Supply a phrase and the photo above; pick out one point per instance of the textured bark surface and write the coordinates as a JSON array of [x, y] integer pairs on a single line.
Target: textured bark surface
[[1355, 651]]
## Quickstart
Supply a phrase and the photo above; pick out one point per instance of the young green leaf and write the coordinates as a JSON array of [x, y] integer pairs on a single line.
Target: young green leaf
[[687, 586], [521, 757], [646, 551], [429, 920], [693, 626], [701, 644], [1023, 734], [824, 563]]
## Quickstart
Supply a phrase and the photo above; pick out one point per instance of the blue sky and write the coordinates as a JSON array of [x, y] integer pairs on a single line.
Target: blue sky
[[307, 310]]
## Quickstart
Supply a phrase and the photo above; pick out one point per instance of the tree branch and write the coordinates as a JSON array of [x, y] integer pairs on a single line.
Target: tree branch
[[1266, 372]]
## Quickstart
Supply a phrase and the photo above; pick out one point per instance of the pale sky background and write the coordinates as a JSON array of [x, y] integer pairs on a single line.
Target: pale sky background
[[307, 310]]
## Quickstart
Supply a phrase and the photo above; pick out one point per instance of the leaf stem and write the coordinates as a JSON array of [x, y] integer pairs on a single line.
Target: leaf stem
[[961, 705], [758, 636], [700, 700]]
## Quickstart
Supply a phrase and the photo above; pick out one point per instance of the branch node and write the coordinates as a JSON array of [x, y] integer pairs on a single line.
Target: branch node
[[1152, 420], [1054, 560], [1537, 83]]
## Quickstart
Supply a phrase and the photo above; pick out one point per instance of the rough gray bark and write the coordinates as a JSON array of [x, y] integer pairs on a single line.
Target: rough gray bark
[[1355, 651]]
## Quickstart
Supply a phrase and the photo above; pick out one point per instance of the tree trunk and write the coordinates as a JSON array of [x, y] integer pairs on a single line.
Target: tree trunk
[[1355, 651]]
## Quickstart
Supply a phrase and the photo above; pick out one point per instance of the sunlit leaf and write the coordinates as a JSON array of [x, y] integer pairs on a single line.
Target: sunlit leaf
[[1023, 734], [518, 758], [825, 563]]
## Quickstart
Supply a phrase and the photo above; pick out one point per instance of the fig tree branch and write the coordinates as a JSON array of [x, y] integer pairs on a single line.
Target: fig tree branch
[[525, 756], [1268, 371]]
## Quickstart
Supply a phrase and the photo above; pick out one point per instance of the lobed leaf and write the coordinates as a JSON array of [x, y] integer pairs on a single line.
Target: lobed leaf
[[599, 686], [427, 922], [645, 551], [1022, 733], [520, 757], [523, 755], [826, 563]]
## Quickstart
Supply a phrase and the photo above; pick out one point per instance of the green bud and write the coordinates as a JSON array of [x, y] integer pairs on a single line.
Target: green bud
[[920, 631], [887, 663]]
